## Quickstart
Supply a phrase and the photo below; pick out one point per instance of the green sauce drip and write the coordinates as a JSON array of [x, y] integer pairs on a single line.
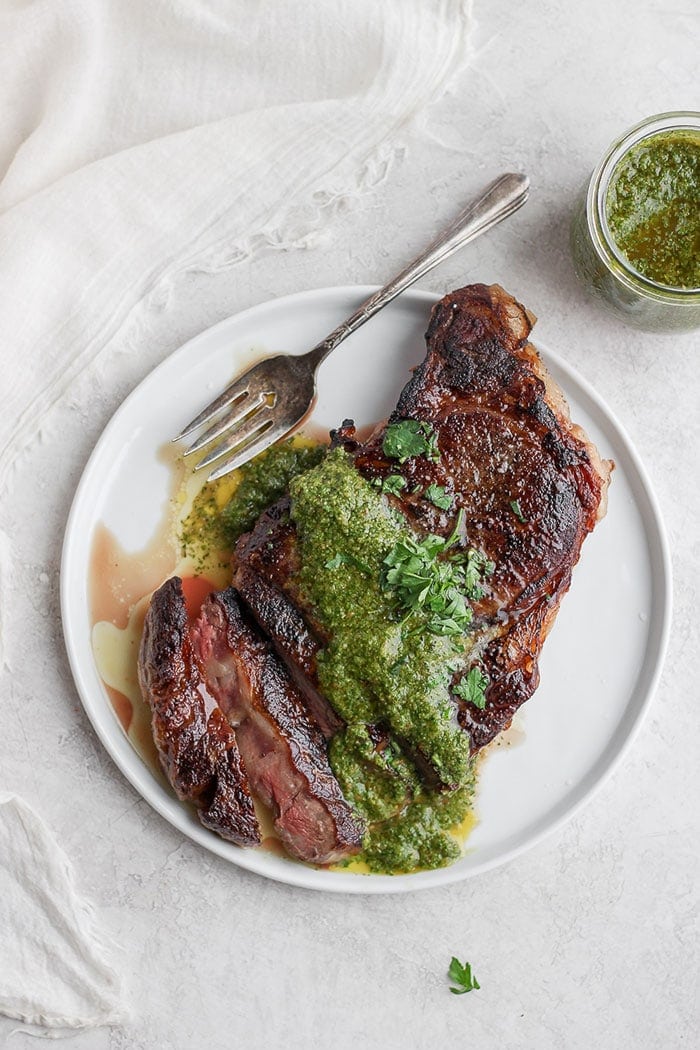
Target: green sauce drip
[[420, 838], [378, 782], [653, 208], [373, 671], [265, 479]]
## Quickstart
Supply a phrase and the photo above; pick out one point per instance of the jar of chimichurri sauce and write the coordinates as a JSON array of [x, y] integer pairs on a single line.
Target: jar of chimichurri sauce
[[635, 234]]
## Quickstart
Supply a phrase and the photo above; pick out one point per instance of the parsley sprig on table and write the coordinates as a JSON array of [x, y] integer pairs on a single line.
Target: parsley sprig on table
[[424, 577], [462, 976], [409, 438]]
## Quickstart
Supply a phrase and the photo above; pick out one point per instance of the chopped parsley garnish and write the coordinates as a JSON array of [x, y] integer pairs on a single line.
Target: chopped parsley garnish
[[439, 497], [410, 438], [515, 507], [424, 577], [473, 687], [393, 484], [477, 565], [462, 976]]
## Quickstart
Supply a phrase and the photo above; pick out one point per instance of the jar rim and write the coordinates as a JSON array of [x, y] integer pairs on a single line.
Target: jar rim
[[601, 236]]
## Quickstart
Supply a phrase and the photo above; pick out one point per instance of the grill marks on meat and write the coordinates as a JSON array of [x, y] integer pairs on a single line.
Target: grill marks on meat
[[196, 744], [282, 746], [508, 451]]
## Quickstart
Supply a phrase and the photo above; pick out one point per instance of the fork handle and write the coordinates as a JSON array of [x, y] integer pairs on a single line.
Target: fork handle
[[499, 200]]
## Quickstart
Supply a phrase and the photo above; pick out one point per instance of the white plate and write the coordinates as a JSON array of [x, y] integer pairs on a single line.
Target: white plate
[[599, 666]]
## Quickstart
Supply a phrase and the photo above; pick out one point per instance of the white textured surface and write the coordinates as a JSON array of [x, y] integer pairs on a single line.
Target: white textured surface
[[67, 984], [591, 939]]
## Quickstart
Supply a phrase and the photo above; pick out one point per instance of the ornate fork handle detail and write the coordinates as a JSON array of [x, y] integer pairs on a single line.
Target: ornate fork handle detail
[[498, 201]]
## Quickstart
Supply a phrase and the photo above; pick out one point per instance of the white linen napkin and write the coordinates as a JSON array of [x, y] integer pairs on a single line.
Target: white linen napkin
[[53, 958], [142, 139]]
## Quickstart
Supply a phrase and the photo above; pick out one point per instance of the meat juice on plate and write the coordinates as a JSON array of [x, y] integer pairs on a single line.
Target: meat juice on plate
[[120, 586]]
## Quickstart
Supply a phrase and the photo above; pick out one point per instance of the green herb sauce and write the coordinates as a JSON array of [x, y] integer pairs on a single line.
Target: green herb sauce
[[213, 526], [375, 670], [263, 481], [653, 208]]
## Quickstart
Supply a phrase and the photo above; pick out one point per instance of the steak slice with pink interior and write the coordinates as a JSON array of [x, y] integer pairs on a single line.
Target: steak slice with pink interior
[[281, 743], [196, 744]]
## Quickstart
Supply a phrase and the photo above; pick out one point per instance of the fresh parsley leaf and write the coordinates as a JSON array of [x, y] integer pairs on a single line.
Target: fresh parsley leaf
[[432, 452], [420, 581], [439, 497], [515, 507], [472, 687], [462, 975], [424, 577], [409, 438], [477, 566], [393, 484], [347, 559]]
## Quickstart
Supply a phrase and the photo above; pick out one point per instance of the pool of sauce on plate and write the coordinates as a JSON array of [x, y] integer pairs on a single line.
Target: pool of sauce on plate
[[120, 585]]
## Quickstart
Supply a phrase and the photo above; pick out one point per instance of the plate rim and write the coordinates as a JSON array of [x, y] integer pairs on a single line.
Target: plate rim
[[122, 753]]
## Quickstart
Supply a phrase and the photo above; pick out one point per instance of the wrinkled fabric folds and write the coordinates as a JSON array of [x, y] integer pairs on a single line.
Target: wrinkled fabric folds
[[54, 968], [145, 139]]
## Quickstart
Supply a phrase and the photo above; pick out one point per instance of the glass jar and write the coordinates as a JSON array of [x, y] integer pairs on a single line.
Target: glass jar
[[603, 267]]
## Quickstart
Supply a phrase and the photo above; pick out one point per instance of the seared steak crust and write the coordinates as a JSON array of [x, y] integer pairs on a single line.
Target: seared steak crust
[[281, 743], [530, 483], [264, 575], [196, 744]]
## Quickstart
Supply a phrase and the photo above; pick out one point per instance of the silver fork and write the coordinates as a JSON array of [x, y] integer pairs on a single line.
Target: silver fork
[[271, 398]]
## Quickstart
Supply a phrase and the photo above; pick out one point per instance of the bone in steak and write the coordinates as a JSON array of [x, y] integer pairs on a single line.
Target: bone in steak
[[530, 483], [195, 742]]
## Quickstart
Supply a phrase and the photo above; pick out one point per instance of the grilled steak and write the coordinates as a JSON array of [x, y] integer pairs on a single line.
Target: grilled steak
[[196, 744], [530, 483], [278, 617], [525, 488], [283, 748]]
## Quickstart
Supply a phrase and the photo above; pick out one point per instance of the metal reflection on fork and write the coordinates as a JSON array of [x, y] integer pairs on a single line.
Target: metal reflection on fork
[[269, 400]]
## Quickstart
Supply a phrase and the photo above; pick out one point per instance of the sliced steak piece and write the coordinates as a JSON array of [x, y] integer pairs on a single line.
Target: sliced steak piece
[[195, 742], [263, 575], [530, 483], [282, 745]]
